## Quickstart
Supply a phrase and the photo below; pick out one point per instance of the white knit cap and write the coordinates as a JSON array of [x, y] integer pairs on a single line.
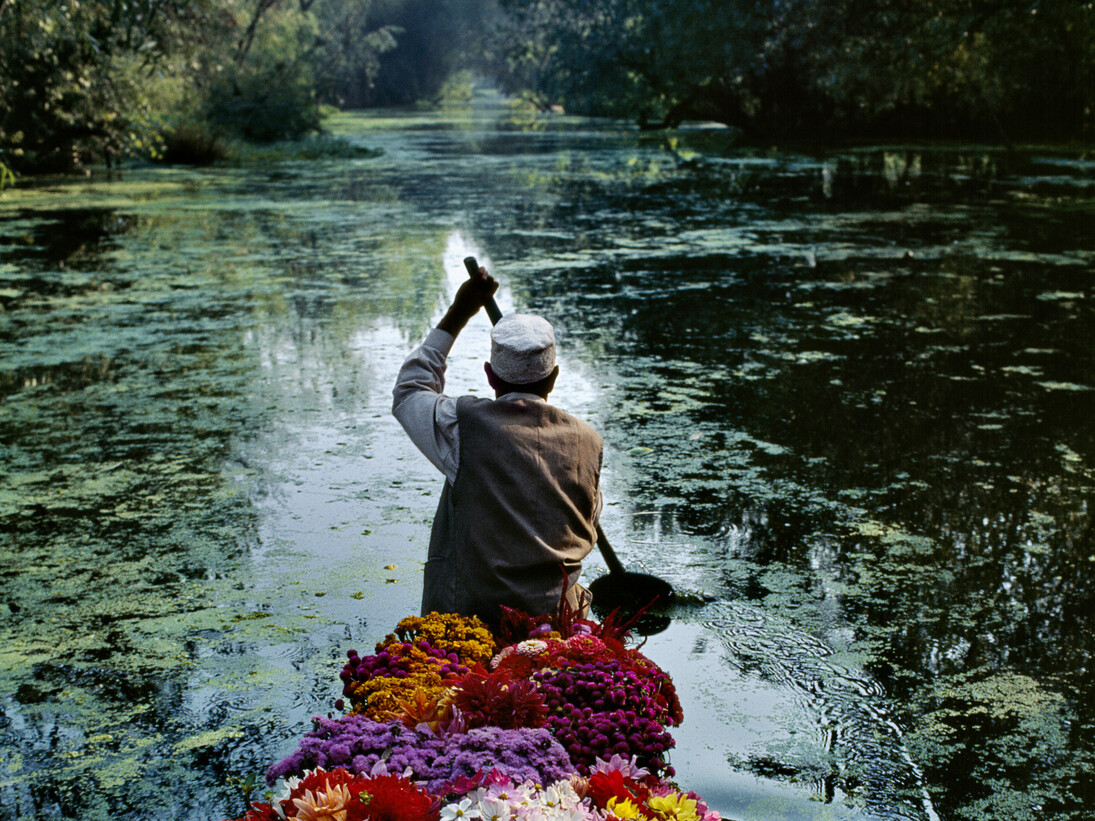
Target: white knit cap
[[522, 349]]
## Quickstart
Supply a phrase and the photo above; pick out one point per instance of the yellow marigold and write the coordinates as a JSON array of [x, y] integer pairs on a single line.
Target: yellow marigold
[[379, 696], [673, 807], [418, 661], [466, 636]]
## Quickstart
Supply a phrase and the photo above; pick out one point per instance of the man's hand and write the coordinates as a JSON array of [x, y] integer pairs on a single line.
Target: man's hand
[[470, 297]]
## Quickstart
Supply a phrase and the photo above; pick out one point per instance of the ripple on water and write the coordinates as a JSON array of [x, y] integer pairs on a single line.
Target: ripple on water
[[804, 733]]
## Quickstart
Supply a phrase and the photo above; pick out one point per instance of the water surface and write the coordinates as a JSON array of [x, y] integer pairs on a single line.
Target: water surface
[[847, 400]]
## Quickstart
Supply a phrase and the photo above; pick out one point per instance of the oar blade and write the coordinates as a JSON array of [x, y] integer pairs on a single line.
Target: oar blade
[[630, 593]]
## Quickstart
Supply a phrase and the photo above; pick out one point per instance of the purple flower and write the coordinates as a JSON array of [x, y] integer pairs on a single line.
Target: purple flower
[[600, 709], [523, 755], [355, 742], [359, 743]]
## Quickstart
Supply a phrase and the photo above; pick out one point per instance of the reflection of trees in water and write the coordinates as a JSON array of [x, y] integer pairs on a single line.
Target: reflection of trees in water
[[76, 238], [67, 376], [918, 387], [994, 637]]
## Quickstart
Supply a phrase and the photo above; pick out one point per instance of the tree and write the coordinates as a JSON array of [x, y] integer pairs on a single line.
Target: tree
[[435, 39], [656, 60], [253, 78], [287, 57], [348, 59], [817, 67], [978, 68], [70, 76]]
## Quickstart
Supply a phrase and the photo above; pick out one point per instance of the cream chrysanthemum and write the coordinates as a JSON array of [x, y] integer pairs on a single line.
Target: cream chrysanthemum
[[324, 806], [532, 647]]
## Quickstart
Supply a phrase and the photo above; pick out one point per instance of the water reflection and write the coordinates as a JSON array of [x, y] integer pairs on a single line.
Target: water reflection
[[847, 400]]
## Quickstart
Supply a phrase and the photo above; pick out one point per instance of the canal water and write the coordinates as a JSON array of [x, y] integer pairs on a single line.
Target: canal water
[[847, 398]]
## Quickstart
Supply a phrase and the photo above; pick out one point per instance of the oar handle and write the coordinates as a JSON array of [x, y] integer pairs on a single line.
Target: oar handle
[[492, 307], [614, 566]]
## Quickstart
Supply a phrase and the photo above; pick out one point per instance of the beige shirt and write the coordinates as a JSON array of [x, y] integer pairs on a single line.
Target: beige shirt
[[428, 416], [420, 405]]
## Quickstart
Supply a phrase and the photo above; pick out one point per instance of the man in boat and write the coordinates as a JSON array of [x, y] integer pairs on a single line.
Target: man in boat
[[522, 478]]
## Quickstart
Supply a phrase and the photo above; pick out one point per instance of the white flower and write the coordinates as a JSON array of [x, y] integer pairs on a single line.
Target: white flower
[[506, 651], [288, 785], [492, 809], [532, 647], [565, 814], [559, 794], [467, 808], [379, 768], [512, 795]]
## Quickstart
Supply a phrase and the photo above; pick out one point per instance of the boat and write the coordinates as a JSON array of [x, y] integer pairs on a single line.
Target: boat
[[542, 717]]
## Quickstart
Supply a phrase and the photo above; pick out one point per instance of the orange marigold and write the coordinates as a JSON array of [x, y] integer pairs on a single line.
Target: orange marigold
[[432, 707], [380, 696]]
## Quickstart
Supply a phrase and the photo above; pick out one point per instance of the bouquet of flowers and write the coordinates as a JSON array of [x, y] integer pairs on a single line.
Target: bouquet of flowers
[[552, 718]]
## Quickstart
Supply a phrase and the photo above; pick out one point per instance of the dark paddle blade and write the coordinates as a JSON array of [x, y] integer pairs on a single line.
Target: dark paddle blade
[[622, 588], [630, 591]]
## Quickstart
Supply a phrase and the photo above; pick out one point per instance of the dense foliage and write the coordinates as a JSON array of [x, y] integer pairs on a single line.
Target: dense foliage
[[795, 67], [72, 76], [94, 80]]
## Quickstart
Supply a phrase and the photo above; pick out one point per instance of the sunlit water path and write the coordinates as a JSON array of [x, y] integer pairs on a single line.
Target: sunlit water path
[[847, 401]]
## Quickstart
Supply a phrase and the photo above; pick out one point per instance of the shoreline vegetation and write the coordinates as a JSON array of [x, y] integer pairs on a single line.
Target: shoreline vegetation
[[325, 144], [101, 82]]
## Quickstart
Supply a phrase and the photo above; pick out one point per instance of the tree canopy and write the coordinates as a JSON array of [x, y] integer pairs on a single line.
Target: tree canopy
[[93, 80], [70, 75], [835, 67]]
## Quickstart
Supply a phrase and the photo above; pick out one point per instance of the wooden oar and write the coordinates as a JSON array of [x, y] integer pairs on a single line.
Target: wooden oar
[[619, 587]]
